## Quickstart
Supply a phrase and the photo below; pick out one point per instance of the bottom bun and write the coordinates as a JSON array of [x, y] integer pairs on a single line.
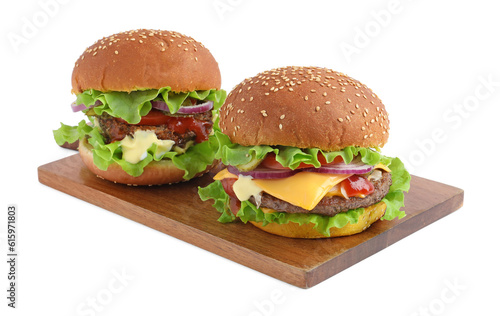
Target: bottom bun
[[293, 230], [155, 173]]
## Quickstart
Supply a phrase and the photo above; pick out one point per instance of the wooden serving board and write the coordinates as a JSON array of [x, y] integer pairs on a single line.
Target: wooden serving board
[[176, 210]]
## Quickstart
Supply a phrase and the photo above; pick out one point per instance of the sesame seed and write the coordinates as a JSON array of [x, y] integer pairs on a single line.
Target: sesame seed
[[196, 58], [372, 102], [365, 137], [282, 116], [264, 114], [324, 94], [352, 112], [340, 119], [357, 106], [281, 126], [363, 128], [349, 100], [116, 52], [267, 93], [251, 99], [290, 89], [312, 90], [327, 102], [348, 117], [306, 98], [358, 95], [317, 108], [95, 53]]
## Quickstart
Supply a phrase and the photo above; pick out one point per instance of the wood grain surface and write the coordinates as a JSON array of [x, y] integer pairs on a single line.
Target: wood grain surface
[[176, 210]]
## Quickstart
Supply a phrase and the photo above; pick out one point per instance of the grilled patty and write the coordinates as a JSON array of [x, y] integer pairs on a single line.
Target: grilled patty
[[114, 129], [332, 205]]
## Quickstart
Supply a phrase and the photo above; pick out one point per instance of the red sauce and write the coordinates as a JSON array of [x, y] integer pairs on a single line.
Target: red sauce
[[181, 125], [176, 124]]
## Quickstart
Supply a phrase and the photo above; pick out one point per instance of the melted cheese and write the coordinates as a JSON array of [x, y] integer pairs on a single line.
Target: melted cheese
[[335, 191], [135, 148], [244, 188]]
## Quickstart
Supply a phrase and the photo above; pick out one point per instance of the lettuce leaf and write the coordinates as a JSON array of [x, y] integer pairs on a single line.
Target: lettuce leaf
[[249, 212], [131, 106], [400, 183], [193, 161], [290, 157]]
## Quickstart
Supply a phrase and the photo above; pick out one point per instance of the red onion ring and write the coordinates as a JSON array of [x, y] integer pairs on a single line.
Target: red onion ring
[[193, 109], [81, 107], [264, 173], [355, 167]]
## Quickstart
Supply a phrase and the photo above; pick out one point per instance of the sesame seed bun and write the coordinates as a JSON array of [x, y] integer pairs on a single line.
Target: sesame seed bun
[[293, 230], [304, 107], [146, 59], [155, 173]]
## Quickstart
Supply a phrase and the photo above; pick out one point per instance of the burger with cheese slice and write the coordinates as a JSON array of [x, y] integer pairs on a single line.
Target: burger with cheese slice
[[151, 98], [302, 150]]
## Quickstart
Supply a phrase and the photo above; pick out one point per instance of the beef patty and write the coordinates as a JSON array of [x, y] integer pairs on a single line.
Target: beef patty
[[332, 205], [114, 129]]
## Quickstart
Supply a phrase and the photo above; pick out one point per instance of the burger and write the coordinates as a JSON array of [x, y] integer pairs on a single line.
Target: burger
[[302, 150], [151, 99]]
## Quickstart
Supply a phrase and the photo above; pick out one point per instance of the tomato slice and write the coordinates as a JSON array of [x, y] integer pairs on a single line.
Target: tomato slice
[[227, 184], [234, 205], [270, 162], [154, 117], [356, 186]]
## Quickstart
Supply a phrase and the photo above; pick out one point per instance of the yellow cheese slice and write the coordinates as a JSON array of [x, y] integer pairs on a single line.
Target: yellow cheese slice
[[224, 174], [383, 167], [304, 189]]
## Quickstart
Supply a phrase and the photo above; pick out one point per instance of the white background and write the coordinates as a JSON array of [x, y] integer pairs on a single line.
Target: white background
[[435, 65]]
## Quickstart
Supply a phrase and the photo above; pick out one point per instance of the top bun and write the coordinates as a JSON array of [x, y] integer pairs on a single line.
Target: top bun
[[146, 59], [305, 107]]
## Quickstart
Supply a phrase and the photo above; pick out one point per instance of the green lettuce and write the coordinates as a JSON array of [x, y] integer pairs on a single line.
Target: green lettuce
[[291, 157], [130, 107]]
